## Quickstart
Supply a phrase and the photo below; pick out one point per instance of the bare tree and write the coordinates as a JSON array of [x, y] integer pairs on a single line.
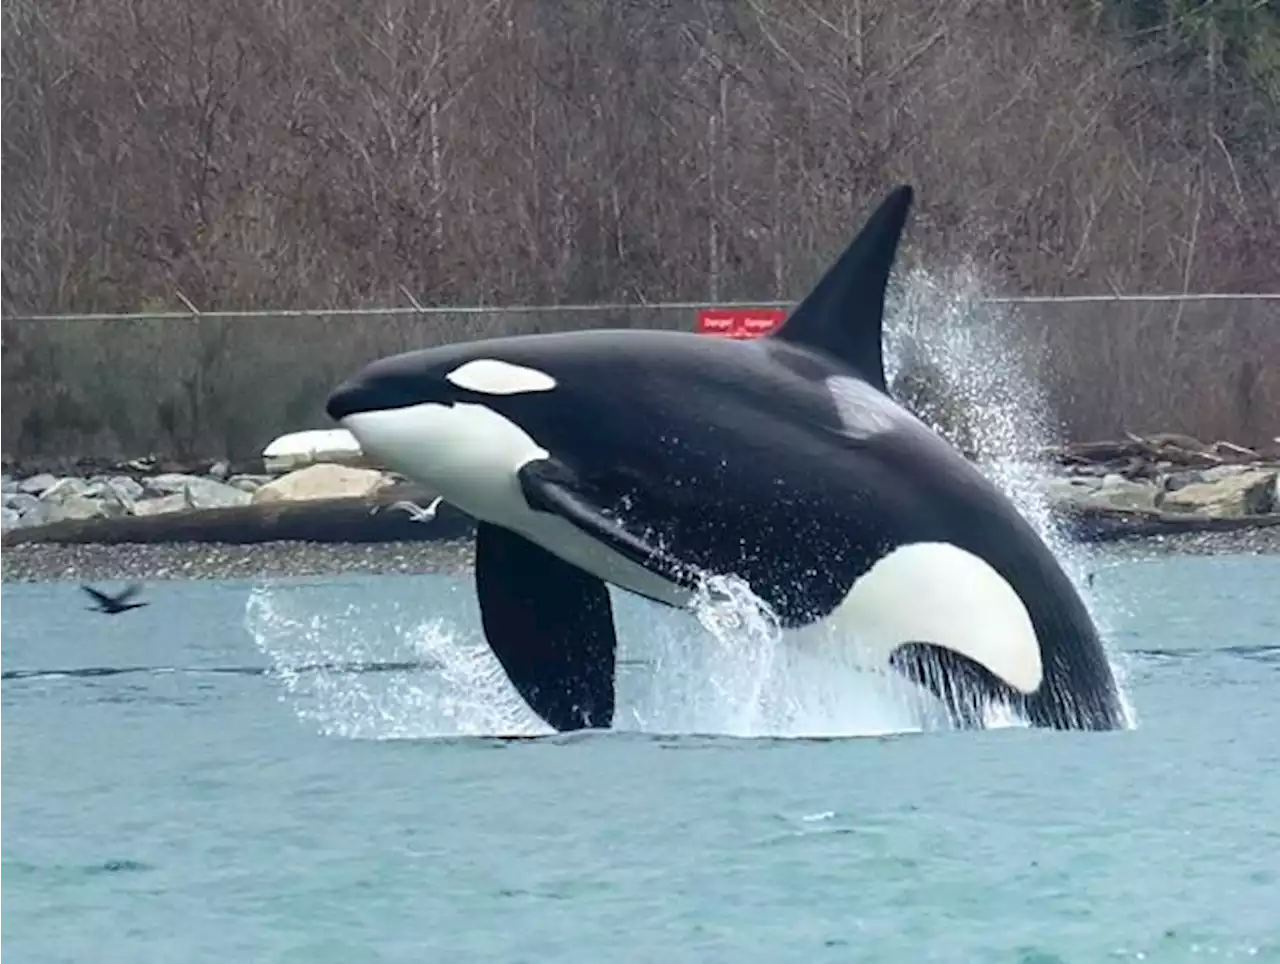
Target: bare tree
[[239, 153]]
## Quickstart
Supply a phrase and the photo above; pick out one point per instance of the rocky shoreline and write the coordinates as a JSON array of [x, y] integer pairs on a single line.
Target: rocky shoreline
[[133, 521]]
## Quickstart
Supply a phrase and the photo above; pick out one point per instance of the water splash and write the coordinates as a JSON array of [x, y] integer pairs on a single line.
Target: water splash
[[742, 676], [723, 668], [460, 691], [951, 358], [956, 361], [746, 635]]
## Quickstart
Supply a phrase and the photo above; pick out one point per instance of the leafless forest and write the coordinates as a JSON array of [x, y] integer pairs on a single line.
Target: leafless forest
[[280, 153]]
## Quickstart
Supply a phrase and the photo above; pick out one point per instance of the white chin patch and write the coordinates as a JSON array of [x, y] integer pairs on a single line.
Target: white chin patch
[[863, 411], [467, 453], [471, 456], [934, 592], [490, 376]]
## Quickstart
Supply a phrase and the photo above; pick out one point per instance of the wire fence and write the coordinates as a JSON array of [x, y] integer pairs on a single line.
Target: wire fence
[[196, 385], [192, 311]]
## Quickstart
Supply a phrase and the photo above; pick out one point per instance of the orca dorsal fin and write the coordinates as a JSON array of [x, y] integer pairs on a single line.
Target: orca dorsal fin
[[844, 313]]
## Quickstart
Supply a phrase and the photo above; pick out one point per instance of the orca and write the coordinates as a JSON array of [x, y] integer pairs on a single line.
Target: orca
[[649, 460]]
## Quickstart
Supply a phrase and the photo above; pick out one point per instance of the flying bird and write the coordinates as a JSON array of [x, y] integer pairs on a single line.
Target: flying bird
[[114, 604]]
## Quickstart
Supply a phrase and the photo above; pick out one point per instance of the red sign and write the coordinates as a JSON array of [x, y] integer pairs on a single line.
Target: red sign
[[740, 322]]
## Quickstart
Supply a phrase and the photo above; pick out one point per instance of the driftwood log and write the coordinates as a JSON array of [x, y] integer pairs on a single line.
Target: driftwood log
[[1136, 455]]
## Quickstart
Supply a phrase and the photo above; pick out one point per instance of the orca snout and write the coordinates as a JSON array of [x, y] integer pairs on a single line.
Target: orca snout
[[349, 398], [381, 386]]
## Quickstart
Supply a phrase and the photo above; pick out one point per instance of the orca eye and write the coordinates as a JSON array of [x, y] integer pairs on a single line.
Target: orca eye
[[489, 376]]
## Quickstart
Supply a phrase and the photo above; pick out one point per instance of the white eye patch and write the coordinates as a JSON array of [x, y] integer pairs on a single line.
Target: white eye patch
[[490, 376]]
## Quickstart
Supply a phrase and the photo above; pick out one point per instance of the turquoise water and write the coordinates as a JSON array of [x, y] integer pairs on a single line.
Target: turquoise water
[[198, 808]]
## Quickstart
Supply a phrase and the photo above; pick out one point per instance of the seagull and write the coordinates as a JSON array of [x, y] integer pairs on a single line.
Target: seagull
[[416, 512], [114, 604]]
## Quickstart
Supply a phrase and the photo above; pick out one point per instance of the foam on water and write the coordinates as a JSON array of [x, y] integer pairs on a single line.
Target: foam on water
[[728, 670]]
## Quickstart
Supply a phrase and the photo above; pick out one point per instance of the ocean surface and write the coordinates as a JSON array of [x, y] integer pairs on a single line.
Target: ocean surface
[[306, 770]]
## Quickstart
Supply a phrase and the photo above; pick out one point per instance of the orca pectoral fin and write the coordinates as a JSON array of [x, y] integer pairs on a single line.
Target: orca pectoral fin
[[550, 486], [963, 685], [551, 627]]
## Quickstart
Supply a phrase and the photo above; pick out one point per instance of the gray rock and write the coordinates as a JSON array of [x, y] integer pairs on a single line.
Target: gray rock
[[1117, 492], [32, 515], [21, 502], [8, 483], [199, 492], [1097, 471], [250, 483], [1179, 480], [109, 490], [323, 480], [113, 496], [1111, 492], [1070, 491], [1220, 472], [220, 471], [72, 498], [74, 506], [131, 489], [212, 494], [36, 484], [9, 519], [1089, 482], [176, 502], [63, 489], [1227, 495], [167, 483]]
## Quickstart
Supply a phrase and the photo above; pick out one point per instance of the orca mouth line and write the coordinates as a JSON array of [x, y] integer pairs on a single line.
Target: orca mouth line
[[353, 668]]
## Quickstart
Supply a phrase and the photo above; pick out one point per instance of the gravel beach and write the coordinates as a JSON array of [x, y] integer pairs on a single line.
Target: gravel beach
[[41, 562], [272, 560]]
